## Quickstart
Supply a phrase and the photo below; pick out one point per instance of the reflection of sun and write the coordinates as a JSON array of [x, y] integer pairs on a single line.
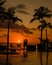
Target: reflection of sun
[[18, 41]]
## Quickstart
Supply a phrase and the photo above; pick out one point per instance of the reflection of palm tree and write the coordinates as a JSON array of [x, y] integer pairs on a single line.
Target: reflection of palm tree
[[40, 14]]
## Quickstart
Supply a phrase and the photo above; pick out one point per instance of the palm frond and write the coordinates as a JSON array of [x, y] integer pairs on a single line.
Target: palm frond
[[11, 11], [49, 25], [19, 19], [35, 15], [2, 9], [2, 2], [36, 10], [48, 15], [14, 19], [39, 27], [42, 12], [32, 20], [36, 18]]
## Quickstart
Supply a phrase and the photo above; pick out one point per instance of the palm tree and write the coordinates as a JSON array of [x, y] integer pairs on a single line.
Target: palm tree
[[7, 15], [45, 25], [40, 14], [50, 26], [1, 7], [41, 27], [2, 13], [11, 18]]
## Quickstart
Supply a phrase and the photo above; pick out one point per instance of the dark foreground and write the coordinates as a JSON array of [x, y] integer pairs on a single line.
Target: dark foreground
[[32, 58]]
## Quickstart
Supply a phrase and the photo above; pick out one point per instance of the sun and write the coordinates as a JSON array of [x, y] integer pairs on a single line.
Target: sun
[[18, 41]]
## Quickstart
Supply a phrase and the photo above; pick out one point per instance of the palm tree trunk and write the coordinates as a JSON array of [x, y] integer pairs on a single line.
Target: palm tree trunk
[[41, 50], [7, 44], [47, 48]]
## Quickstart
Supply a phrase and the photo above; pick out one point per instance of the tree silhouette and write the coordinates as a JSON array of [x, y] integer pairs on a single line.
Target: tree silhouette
[[11, 18], [7, 15], [40, 14], [50, 26], [2, 14], [45, 25]]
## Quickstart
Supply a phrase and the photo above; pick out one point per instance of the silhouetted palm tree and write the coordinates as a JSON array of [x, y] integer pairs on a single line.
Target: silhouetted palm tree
[[7, 15], [41, 27], [2, 13], [50, 26], [11, 18], [40, 14], [45, 25]]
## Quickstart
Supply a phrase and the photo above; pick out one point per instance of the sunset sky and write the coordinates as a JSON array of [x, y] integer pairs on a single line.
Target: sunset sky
[[20, 31]]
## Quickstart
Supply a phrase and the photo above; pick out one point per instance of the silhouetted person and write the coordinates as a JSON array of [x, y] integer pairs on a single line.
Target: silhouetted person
[[25, 48], [25, 43]]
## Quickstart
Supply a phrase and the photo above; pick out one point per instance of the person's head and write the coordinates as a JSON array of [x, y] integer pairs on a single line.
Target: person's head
[[25, 40]]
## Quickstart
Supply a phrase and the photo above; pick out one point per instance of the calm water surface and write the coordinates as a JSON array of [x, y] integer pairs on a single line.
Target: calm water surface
[[32, 58]]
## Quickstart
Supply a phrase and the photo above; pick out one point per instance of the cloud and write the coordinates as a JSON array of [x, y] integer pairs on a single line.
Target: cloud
[[23, 29], [2, 36], [0, 30], [21, 6], [17, 28], [26, 36], [26, 30], [2, 25], [22, 9], [33, 29], [23, 12]]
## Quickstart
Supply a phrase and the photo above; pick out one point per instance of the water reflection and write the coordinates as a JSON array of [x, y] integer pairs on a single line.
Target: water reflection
[[31, 58]]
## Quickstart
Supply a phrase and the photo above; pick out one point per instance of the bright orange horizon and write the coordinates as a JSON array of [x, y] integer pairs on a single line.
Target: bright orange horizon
[[32, 38]]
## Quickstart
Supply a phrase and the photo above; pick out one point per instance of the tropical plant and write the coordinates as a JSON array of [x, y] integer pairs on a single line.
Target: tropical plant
[[7, 15], [45, 25], [2, 13], [40, 14], [50, 26], [11, 18]]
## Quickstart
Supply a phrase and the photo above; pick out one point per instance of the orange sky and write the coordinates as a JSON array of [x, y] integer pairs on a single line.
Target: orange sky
[[28, 7]]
